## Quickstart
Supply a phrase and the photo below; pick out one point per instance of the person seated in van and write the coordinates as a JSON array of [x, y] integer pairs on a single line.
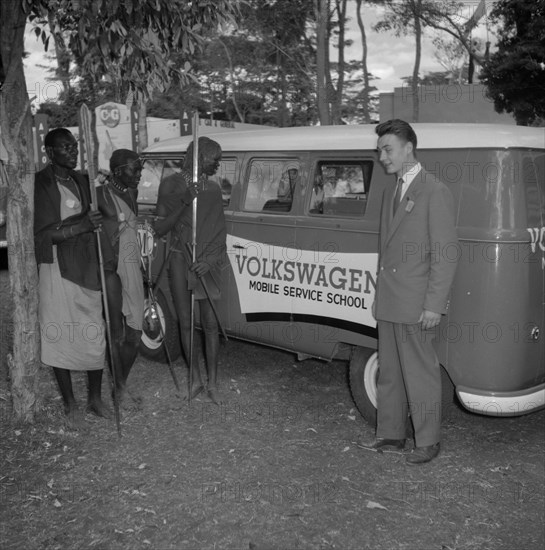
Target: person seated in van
[[285, 193], [203, 277]]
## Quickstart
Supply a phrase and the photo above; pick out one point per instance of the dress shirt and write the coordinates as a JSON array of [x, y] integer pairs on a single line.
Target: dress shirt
[[408, 178]]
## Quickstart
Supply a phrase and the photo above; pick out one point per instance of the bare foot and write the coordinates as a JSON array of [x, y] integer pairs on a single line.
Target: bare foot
[[136, 398], [75, 419], [99, 408], [196, 390], [127, 402], [214, 396]]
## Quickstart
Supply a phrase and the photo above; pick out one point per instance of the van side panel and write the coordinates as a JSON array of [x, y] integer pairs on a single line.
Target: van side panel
[[486, 340]]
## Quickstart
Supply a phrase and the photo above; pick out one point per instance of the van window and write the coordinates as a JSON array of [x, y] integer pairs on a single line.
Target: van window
[[156, 170], [271, 185], [225, 177], [152, 173], [341, 188]]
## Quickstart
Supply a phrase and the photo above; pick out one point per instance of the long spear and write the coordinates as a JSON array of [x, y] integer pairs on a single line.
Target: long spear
[[85, 118], [193, 245]]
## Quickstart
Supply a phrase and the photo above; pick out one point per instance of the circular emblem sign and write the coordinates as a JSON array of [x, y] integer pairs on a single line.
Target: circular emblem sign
[[109, 115]]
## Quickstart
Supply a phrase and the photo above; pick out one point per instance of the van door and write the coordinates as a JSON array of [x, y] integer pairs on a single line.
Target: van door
[[226, 177], [262, 248], [338, 233]]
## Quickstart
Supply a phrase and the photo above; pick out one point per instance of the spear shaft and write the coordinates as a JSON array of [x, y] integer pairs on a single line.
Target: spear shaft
[[193, 245], [85, 117]]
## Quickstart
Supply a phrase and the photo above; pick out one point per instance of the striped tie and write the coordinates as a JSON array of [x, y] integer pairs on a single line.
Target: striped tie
[[397, 196]]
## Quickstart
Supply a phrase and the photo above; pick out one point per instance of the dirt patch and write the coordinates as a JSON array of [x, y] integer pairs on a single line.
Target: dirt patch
[[276, 466]]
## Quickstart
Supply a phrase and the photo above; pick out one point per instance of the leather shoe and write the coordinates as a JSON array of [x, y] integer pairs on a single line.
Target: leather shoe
[[420, 455], [388, 444]]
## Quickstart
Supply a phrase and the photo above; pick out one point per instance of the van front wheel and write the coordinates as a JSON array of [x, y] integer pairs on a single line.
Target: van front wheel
[[364, 369], [363, 382], [160, 330]]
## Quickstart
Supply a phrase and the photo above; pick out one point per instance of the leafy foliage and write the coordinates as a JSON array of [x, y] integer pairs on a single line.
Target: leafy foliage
[[260, 71], [139, 41], [515, 73]]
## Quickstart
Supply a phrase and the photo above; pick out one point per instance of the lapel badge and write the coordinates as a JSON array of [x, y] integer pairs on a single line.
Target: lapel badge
[[410, 205]]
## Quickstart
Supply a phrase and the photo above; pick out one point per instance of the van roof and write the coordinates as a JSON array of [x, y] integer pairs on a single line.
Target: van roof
[[430, 136]]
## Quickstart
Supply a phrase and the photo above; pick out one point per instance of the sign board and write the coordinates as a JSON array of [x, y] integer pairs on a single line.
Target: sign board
[[42, 127]]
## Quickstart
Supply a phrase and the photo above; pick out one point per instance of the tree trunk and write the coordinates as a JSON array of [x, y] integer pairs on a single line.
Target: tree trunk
[[417, 10], [17, 142], [321, 10], [142, 125], [336, 110], [233, 84], [365, 91]]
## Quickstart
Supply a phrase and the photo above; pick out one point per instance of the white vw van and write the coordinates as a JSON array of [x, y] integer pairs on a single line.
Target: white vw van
[[302, 207]]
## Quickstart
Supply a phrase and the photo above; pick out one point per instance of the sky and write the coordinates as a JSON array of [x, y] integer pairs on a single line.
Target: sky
[[389, 57]]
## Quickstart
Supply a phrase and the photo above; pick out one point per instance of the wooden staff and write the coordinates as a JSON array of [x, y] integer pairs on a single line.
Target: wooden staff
[[85, 118], [193, 245]]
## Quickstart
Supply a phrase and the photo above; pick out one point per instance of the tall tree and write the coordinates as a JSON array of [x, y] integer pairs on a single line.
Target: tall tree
[[143, 39], [321, 10], [515, 73], [402, 17], [365, 89]]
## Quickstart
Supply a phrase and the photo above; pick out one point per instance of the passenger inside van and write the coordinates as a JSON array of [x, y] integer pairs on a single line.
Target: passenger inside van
[[339, 190], [286, 189]]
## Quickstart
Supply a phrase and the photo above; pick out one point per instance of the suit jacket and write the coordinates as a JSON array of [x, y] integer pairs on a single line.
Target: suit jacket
[[417, 262]]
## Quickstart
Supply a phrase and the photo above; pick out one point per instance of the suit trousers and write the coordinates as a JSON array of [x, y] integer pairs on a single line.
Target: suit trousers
[[409, 383]]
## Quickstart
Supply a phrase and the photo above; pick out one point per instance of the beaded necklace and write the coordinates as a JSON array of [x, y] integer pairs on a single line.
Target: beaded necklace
[[118, 187], [69, 184], [203, 180]]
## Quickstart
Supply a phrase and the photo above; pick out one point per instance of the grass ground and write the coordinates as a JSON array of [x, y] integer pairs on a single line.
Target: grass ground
[[277, 466]]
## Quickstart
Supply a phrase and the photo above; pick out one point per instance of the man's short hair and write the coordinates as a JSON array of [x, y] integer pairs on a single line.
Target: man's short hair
[[52, 136], [207, 146], [403, 130], [121, 157]]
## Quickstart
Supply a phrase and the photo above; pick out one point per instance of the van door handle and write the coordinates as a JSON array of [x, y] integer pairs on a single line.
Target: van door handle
[[239, 246]]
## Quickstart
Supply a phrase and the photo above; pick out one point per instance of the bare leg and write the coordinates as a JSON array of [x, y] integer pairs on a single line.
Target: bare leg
[[115, 305], [73, 414], [211, 346], [211, 340], [182, 302], [95, 404]]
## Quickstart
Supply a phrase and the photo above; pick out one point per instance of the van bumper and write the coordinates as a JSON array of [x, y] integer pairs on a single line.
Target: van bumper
[[514, 403]]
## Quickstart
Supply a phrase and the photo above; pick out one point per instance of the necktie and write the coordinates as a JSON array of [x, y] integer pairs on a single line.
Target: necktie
[[397, 196]]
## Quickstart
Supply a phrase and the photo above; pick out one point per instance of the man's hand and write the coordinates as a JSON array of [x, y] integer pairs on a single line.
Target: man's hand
[[429, 319], [94, 220], [190, 193], [200, 268]]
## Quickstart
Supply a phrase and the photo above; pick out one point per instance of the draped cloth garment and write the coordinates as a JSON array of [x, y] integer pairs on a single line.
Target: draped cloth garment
[[70, 315]]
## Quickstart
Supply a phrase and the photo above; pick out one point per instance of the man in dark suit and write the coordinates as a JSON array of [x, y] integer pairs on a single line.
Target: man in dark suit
[[417, 226]]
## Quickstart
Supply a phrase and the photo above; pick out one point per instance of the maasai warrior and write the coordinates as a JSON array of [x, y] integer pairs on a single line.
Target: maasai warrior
[[117, 201], [70, 306], [174, 211]]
